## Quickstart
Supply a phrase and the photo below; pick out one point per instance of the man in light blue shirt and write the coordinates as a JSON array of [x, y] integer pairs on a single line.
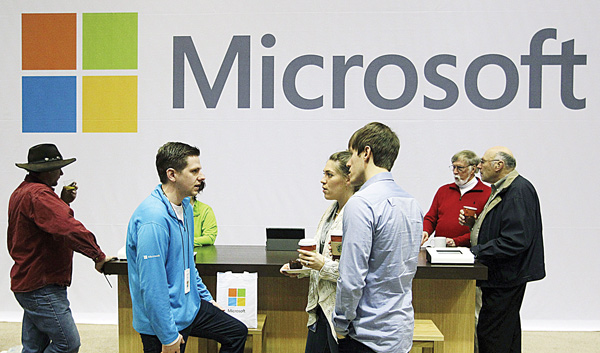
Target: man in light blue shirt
[[382, 226]]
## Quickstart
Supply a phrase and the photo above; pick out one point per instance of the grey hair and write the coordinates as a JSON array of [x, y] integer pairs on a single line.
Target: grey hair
[[509, 161], [468, 156]]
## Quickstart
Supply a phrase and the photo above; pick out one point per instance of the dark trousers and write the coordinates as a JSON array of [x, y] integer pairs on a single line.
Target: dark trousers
[[320, 339], [211, 323], [499, 326], [350, 345]]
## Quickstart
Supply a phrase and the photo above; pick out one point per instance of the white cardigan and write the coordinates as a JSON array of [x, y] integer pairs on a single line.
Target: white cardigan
[[323, 283]]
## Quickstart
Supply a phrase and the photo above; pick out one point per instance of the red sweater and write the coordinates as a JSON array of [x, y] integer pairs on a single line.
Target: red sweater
[[447, 203], [42, 235]]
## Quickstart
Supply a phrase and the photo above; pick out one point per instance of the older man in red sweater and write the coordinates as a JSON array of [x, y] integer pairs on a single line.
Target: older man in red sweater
[[467, 190]]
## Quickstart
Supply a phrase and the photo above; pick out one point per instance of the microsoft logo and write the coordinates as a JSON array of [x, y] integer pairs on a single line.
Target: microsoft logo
[[236, 297], [109, 43]]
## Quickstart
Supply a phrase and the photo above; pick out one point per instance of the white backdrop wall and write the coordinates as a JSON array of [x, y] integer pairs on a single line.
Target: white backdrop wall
[[263, 165]]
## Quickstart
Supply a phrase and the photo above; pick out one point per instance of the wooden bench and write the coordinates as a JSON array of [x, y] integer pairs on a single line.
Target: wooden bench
[[427, 337], [256, 336]]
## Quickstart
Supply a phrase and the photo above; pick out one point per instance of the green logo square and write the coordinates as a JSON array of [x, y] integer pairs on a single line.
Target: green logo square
[[110, 41], [241, 293]]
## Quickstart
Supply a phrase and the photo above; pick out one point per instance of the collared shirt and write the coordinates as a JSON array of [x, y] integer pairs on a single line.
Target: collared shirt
[[496, 188], [42, 235], [499, 185], [382, 226]]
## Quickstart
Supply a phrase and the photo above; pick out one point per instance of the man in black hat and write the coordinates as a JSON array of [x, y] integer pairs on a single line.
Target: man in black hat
[[42, 235]]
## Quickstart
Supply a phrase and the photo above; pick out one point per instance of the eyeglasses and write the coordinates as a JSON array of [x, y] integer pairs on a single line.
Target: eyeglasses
[[459, 168], [483, 161]]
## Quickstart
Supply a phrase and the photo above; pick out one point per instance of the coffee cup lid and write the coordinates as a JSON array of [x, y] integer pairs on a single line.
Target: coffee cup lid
[[307, 242], [471, 208]]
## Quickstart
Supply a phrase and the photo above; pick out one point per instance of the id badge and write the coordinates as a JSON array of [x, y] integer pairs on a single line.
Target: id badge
[[187, 280]]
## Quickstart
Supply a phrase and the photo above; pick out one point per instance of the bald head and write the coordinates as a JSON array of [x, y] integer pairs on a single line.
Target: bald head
[[496, 163], [506, 156], [497, 149]]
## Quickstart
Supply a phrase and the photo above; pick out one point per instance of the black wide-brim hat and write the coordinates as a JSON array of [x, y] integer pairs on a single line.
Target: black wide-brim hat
[[44, 158]]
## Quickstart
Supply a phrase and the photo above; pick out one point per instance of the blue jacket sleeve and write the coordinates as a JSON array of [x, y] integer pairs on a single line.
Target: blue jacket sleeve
[[151, 260], [202, 290]]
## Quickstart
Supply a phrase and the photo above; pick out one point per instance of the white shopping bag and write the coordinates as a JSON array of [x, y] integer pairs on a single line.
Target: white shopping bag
[[237, 293]]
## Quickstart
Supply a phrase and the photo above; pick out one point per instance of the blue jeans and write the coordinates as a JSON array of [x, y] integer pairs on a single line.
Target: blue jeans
[[48, 325], [211, 323]]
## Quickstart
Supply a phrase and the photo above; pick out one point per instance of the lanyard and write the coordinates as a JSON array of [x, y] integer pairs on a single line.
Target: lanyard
[[179, 227]]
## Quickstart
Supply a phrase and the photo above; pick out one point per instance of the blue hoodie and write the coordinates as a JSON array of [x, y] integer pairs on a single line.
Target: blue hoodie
[[159, 249]]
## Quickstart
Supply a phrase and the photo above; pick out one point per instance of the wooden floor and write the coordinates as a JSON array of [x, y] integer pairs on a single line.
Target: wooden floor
[[104, 338]]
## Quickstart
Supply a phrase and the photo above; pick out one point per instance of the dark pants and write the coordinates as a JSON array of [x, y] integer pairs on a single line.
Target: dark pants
[[320, 339], [499, 326], [350, 345], [211, 323]]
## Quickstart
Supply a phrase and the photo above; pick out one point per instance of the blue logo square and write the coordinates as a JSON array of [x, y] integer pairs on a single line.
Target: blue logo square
[[49, 104], [232, 302]]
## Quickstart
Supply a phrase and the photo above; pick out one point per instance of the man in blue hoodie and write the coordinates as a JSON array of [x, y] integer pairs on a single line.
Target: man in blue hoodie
[[169, 300]]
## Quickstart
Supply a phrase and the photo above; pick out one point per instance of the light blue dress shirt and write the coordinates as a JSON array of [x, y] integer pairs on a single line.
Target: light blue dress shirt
[[383, 226]]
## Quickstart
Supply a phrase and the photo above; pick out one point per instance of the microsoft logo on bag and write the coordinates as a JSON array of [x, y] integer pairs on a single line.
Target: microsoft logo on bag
[[236, 297], [51, 72]]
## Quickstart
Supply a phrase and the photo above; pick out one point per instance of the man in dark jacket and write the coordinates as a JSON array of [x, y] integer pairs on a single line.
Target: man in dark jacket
[[507, 238]]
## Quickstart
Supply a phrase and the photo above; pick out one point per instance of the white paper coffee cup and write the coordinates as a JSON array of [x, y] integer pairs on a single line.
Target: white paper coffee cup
[[308, 244]]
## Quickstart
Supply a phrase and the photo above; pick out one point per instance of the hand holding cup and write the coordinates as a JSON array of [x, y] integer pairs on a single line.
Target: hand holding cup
[[311, 259], [69, 191], [336, 246], [470, 215]]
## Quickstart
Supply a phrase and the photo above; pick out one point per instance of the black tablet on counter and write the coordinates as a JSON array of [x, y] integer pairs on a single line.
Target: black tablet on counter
[[285, 239]]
